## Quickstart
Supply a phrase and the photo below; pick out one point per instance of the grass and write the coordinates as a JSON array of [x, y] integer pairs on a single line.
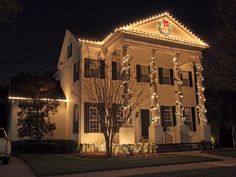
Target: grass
[[227, 153], [44, 164], [212, 172]]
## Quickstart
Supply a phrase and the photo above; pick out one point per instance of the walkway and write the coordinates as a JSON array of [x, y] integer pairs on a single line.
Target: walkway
[[16, 168]]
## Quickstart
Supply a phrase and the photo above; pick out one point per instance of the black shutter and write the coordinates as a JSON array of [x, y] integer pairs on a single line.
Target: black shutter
[[174, 116], [160, 71], [190, 79], [163, 118], [86, 117], [75, 72], [138, 73], [171, 77], [114, 70], [102, 69], [193, 118], [149, 71], [87, 67]]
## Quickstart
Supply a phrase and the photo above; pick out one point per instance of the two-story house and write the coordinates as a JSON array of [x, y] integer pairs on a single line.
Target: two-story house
[[166, 65]]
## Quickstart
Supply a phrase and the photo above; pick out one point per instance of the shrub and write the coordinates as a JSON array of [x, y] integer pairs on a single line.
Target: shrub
[[124, 149], [45, 146]]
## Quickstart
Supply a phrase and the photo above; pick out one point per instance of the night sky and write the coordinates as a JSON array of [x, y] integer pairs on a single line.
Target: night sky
[[33, 42]]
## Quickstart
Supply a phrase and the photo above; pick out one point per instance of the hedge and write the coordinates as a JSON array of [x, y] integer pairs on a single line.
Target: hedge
[[45, 146]]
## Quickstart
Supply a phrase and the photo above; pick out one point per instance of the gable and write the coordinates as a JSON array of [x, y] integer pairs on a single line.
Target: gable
[[165, 27]]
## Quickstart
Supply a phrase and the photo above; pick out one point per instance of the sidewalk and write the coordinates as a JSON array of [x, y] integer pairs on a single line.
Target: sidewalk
[[16, 168], [225, 162]]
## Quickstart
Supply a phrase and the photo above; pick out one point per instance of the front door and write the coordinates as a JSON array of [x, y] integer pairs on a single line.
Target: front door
[[145, 122]]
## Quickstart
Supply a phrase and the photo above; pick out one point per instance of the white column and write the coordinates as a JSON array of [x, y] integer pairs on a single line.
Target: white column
[[126, 133], [155, 129], [203, 129], [200, 92], [178, 91], [180, 130]]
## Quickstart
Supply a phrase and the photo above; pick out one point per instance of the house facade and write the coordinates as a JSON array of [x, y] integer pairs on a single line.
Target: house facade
[[164, 58]]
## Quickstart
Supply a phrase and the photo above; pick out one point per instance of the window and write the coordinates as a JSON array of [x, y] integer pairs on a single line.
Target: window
[[69, 51], [166, 76], [168, 118], [94, 122], [94, 68], [142, 73], [76, 70], [116, 71], [188, 117], [189, 113], [75, 119], [187, 78]]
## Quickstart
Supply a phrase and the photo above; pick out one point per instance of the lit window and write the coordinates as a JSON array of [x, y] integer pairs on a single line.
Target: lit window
[[94, 116], [168, 120]]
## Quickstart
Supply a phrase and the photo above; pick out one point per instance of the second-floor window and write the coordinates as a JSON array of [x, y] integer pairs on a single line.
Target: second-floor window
[[94, 68], [69, 50], [142, 73], [187, 78], [166, 76], [116, 70]]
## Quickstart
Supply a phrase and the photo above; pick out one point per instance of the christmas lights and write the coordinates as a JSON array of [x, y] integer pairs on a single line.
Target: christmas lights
[[178, 91], [200, 92], [155, 107]]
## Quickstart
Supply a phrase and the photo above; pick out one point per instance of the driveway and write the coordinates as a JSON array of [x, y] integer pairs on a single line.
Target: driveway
[[16, 168]]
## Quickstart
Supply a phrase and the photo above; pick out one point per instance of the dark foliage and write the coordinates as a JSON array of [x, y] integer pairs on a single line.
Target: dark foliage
[[45, 146]]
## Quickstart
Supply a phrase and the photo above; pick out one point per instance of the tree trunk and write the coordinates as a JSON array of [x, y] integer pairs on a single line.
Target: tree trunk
[[108, 139], [233, 136]]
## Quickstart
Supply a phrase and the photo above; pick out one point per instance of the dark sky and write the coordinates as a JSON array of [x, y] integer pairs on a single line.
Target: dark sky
[[35, 43]]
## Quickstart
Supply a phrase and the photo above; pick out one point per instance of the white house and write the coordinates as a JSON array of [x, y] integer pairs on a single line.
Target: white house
[[173, 110]]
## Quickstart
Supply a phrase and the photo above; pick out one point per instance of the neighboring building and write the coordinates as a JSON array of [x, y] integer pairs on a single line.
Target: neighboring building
[[181, 93]]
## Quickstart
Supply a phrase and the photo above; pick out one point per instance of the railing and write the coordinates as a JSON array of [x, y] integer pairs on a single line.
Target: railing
[[185, 137], [168, 139]]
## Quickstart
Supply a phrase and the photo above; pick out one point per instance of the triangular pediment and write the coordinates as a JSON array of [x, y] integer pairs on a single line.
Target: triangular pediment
[[164, 27]]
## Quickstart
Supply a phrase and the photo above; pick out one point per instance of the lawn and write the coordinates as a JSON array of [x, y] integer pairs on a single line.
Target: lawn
[[212, 172], [44, 164], [228, 153]]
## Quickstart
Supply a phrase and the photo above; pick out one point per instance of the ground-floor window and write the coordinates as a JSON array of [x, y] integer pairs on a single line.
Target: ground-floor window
[[188, 117], [189, 113], [94, 119], [168, 117]]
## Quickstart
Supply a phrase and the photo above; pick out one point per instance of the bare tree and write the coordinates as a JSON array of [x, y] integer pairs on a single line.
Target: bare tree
[[108, 96]]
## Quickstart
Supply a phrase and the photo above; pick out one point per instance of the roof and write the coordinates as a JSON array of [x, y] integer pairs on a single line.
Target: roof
[[18, 89], [150, 27]]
